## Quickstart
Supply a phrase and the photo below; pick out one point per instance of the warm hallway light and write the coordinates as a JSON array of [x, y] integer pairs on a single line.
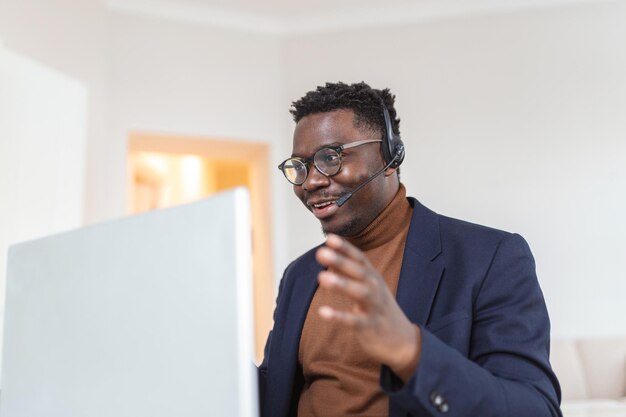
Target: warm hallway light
[[166, 170]]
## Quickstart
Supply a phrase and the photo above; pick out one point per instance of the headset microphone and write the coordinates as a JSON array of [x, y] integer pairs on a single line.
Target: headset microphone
[[342, 200]]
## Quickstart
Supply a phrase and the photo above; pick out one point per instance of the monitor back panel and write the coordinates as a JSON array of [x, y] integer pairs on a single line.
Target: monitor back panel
[[145, 316]]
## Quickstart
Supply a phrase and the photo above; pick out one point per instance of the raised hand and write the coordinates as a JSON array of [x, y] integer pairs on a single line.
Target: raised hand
[[376, 318]]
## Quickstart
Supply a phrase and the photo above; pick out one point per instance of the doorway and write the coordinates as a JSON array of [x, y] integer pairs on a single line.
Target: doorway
[[168, 170]]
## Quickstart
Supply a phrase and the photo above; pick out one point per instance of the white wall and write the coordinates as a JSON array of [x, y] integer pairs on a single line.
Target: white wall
[[156, 75], [516, 121], [68, 36], [193, 79], [42, 151]]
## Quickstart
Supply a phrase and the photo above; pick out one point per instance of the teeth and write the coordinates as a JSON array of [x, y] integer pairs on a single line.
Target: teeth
[[320, 205]]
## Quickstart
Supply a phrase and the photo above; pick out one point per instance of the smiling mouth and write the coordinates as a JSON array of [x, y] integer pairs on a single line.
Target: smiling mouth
[[322, 205], [323, 209]]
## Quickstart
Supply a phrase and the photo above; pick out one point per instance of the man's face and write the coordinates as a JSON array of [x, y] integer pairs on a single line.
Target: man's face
[[359, 163]]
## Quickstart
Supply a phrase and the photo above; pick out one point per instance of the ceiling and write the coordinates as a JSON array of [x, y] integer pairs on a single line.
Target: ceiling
[[305, 16]]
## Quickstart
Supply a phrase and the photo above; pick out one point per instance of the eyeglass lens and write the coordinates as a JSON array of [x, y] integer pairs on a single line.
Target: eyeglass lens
[[326, 160]]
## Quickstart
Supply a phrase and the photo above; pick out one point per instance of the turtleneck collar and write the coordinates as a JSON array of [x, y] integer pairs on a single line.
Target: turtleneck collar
[[389, 223]]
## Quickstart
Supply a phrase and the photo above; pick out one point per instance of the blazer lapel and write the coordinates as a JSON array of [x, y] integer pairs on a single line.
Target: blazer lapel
[[286, 343], [422, 267], [301, 296]]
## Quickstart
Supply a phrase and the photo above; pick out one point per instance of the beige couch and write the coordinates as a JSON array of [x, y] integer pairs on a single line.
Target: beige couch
[[592, 373]]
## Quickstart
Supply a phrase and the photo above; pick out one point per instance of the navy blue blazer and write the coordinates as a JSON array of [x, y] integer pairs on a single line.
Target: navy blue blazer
[[485, 329]]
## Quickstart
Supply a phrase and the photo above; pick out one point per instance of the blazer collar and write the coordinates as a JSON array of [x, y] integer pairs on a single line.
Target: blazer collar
[[422, 267]]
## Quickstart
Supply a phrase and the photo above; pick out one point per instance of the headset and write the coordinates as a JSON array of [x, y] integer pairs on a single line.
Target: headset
[[393, 154], [392, 146]]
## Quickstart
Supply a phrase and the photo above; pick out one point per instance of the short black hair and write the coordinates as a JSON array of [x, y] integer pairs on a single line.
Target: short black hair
[[363, 100]]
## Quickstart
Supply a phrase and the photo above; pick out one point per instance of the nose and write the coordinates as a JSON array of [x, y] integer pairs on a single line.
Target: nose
[[315, 179]]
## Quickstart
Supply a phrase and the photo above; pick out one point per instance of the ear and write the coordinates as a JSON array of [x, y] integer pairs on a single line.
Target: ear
[[390, 171]]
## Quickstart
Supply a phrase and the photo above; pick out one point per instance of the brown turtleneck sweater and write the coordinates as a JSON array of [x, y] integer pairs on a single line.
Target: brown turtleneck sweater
[[340, 380]]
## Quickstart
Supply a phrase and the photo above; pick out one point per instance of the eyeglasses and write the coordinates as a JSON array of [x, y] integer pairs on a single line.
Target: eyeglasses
[[327, 160]]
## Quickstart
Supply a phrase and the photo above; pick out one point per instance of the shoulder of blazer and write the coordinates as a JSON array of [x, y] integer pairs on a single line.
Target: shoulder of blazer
[[302, 263], [451, 236], [455, 227]]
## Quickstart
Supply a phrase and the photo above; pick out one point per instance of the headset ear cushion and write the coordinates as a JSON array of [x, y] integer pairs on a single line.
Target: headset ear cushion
[[398, 153], [393, 148]]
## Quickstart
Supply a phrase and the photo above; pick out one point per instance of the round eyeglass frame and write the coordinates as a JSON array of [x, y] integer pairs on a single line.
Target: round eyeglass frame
[[303, 163]]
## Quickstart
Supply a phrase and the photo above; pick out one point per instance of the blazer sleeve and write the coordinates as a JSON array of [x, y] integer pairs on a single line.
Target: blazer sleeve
[[262, 368], [507, 372]]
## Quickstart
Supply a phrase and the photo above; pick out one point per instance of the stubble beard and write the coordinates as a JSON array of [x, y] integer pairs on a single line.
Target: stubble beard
[[349, 229]]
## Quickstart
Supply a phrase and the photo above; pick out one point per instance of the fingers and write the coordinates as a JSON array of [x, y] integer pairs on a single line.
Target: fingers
[[350, 272], [346, 249], [357, 291], [349, 319], [342, 265], [345, 258]]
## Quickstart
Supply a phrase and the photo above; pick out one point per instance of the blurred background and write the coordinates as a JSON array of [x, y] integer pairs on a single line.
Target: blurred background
[[513, 114]]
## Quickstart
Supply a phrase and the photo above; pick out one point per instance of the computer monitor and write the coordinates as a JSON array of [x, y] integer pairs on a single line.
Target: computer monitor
[[149, 315]]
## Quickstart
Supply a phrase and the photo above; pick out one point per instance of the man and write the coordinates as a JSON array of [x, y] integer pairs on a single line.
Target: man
[[403, 312]]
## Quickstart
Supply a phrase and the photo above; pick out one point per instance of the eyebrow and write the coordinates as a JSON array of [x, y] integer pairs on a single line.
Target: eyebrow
[[328, 145]]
